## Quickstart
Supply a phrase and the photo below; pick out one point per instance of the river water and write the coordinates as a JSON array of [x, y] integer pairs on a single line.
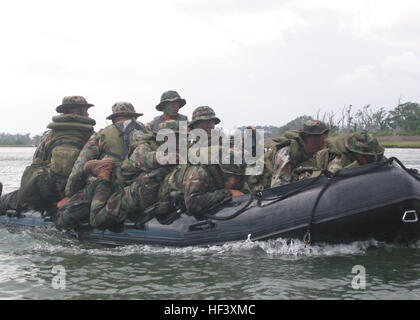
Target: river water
[[35, 264]]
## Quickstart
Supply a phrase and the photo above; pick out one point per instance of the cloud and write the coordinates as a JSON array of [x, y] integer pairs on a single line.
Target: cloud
[[406, 65], [261, 62], [366, 74]]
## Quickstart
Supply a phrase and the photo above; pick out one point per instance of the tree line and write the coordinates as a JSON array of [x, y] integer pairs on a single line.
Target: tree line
[[7, 139], [403, 120]]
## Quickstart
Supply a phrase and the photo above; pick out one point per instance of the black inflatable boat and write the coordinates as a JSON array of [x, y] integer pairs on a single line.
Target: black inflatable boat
[[380, 201]]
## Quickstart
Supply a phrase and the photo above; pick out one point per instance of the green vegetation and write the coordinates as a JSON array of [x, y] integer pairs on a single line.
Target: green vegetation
[[402, 121], [400, 144], [18, 140]]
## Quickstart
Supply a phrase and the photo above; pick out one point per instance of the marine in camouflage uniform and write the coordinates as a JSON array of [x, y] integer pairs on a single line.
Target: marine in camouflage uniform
[[200, 188], [293, 156], [348, 151], [105, 206], [204, 118], [112, 142], [43, 182], [110, 208], [170, 103]]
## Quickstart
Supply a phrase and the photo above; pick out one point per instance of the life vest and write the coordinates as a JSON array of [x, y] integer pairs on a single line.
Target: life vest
[[44, 180]]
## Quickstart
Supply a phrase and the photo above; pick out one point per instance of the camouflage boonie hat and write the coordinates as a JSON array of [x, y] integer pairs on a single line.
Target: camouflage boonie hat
[[121, 109], [364, 143], [170, 124], [72, 101], [228, 165], [203, 113], [170, 96], [314, 127]]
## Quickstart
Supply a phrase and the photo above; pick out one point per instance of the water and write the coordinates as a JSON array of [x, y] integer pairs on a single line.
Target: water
[[35, 264]]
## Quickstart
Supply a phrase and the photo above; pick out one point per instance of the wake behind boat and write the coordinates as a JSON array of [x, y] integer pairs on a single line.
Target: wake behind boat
[[379, 200]]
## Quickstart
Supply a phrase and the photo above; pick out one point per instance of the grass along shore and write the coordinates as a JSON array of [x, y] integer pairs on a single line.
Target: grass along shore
[[400, 144], [386, 141], [400, 141], [14, 146]]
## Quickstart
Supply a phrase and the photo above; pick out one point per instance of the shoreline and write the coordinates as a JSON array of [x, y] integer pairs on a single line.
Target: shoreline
[[404, 142], [401, 144], [16, 146]]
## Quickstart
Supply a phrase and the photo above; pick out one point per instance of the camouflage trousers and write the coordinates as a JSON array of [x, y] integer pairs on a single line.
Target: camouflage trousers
[[10, 201], [76, 210], [102, 205]]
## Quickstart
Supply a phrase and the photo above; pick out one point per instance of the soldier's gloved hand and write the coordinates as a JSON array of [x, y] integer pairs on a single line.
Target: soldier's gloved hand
[[236, 193], [99, 168], [62, 202]]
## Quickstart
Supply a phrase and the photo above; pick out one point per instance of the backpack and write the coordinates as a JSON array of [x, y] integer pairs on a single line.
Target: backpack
[[43, 181]]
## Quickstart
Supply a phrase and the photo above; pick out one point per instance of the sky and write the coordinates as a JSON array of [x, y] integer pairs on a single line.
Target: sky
[[260, 62]]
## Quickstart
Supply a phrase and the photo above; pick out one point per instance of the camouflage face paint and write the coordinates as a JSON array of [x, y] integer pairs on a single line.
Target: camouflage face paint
[[171, 108]]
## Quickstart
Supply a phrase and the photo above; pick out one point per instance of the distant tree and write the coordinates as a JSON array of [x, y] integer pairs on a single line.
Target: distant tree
[[405, 117]]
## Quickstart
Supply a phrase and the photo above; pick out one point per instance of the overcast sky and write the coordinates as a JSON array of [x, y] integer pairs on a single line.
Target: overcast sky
[[254, 61]]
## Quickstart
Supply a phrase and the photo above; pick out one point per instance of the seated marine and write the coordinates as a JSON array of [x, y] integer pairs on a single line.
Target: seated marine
[[43, 182], [102, 152], [111, 142], [107, 205], [202, 187], [204, 118], [170, 103], [293, 155], [348, 151]]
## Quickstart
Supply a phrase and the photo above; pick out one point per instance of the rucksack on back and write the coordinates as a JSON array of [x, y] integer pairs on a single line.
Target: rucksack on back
[[42, 182]]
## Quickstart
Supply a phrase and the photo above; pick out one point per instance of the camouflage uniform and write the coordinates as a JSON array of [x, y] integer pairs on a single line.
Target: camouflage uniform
[[105, 206], [290, 158], [44, 180], [111, 142], [167, 96], [108, 142], [199, 188], [342, 151]]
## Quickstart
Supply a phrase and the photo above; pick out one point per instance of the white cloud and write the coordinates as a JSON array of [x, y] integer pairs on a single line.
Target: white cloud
[[406, 65], [254, 62], [366, 74]]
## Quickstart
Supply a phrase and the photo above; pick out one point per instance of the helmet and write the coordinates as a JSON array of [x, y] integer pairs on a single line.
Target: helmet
[[314, 127], [123, 109], [364, 143], [203, 113], [170, 96], [72, 101]]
